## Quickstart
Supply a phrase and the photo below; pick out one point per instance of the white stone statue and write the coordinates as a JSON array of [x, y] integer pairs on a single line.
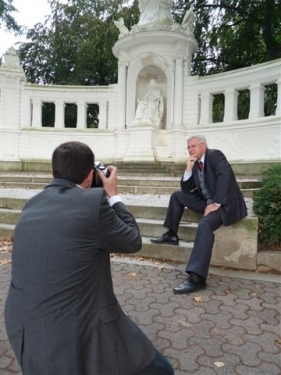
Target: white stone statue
[[121, 27], [189, 20], [150, 108], [155, 12]]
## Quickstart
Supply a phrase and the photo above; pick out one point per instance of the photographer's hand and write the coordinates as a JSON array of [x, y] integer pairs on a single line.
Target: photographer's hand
[[109, 183]]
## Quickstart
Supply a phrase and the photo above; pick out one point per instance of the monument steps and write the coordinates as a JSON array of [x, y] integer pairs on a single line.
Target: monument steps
[[242, 236], [127, 183]]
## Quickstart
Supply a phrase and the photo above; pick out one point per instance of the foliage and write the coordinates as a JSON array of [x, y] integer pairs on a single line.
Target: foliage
[[267, 206], [243, 104], [218, 108], [233, 34], [74, 45], [6, 19]]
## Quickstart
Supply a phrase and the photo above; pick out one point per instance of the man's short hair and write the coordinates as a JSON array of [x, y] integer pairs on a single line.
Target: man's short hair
[[201, 137], [72, 161]]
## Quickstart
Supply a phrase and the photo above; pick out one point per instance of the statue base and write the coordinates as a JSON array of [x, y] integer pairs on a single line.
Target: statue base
[[140, 144], [141, 123]]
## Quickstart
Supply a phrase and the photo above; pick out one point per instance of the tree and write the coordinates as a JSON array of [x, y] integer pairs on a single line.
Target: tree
[[74, 45], [6, 18], [240, 33]]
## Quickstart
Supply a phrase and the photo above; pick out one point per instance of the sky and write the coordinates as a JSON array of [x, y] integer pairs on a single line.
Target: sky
[[29, 13]]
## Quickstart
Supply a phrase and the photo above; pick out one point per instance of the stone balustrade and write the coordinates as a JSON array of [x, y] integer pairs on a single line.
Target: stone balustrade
[[256, 138]]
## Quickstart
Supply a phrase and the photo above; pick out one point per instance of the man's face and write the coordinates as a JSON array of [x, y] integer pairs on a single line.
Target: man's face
[[196, 148]]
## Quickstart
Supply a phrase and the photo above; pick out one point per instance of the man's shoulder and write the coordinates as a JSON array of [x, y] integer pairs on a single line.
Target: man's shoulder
[[212, 151]]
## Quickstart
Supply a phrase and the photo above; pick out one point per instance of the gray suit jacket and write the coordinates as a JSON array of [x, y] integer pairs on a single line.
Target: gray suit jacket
[[221, 184], [62, 317]]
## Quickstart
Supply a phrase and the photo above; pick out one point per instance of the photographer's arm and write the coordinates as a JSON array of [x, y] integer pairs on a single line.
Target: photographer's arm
[[119, 230]]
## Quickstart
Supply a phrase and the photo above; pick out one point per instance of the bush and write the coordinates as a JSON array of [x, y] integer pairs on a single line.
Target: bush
[[267, 206]]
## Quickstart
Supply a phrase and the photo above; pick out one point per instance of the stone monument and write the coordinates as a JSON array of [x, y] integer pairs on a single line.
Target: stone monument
[[154, 62]]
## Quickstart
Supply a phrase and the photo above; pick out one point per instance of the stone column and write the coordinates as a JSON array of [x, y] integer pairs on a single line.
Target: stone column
[[81, 115], [59, 118], [230, 106], [122, 83], [36, 113], [256, 101], [102, 115], [206, 110], [278, 107], [178, 97], [12, 80]]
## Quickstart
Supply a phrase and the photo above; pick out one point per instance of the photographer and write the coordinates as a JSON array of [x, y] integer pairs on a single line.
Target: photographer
[[61, 314]]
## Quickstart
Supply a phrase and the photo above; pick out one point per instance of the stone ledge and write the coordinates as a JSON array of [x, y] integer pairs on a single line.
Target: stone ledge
[[236, 246]]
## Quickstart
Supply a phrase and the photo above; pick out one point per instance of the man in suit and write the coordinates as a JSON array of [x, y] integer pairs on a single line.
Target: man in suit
[[61, 314], [208, 186]]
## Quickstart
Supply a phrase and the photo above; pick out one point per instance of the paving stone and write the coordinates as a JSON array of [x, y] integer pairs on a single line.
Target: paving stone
[[234, 322]]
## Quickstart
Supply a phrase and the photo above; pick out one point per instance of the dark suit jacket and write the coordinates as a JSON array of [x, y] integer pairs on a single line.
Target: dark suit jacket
[[221, 183], [62, 317]]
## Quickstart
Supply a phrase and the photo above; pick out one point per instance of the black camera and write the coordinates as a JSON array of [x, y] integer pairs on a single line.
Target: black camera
[[97, 182]]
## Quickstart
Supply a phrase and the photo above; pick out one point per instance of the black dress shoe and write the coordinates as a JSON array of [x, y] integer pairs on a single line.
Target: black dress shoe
[[167, 239], [191, 284]]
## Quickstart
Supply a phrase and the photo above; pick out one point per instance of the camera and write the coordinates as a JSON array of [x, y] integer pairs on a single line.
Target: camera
[[97, 182]]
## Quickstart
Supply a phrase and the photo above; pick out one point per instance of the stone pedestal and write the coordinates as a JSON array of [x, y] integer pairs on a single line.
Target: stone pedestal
[[140, 144]]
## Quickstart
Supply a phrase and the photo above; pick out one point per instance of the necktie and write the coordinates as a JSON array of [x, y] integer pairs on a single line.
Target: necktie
[[200, 165]]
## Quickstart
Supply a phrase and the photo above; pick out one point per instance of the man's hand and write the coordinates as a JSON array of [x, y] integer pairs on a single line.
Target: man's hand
[[190, 163], [210, 208], [109, 183]]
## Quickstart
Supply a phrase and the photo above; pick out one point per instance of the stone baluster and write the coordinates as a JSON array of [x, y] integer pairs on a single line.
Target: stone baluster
[[59, 118], [36, 113], [278, 107], [230, 106], [81, 114], [102, 115], [206, 109], [256, 101]]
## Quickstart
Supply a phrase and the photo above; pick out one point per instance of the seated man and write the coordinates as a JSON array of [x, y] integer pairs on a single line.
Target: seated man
[[208, 186]]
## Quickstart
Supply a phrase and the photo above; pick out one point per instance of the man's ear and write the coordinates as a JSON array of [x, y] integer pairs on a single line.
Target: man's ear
[[87, 183]]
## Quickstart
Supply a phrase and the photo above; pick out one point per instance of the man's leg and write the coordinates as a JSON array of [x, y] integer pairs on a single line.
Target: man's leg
[[178, 201], [199, 261], [159, 366]]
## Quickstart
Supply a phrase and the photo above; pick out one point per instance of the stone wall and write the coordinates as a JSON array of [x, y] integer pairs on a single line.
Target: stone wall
[[255, 139]]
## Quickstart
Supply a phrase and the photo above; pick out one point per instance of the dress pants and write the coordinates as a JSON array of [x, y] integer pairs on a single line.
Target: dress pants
[[199, 261]]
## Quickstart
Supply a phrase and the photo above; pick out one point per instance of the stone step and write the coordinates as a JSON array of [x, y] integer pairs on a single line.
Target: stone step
[[247, 193], [179, 254], [123, 180], [6, 231], [9, 216], [12, 203], [154, 228], [235, 246], [126, 185], [241, 169]]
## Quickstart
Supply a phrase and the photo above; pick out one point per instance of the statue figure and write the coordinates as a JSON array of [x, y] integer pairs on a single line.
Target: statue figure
[[188, 21], [121, 27], [155, 12], [150, 108]]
